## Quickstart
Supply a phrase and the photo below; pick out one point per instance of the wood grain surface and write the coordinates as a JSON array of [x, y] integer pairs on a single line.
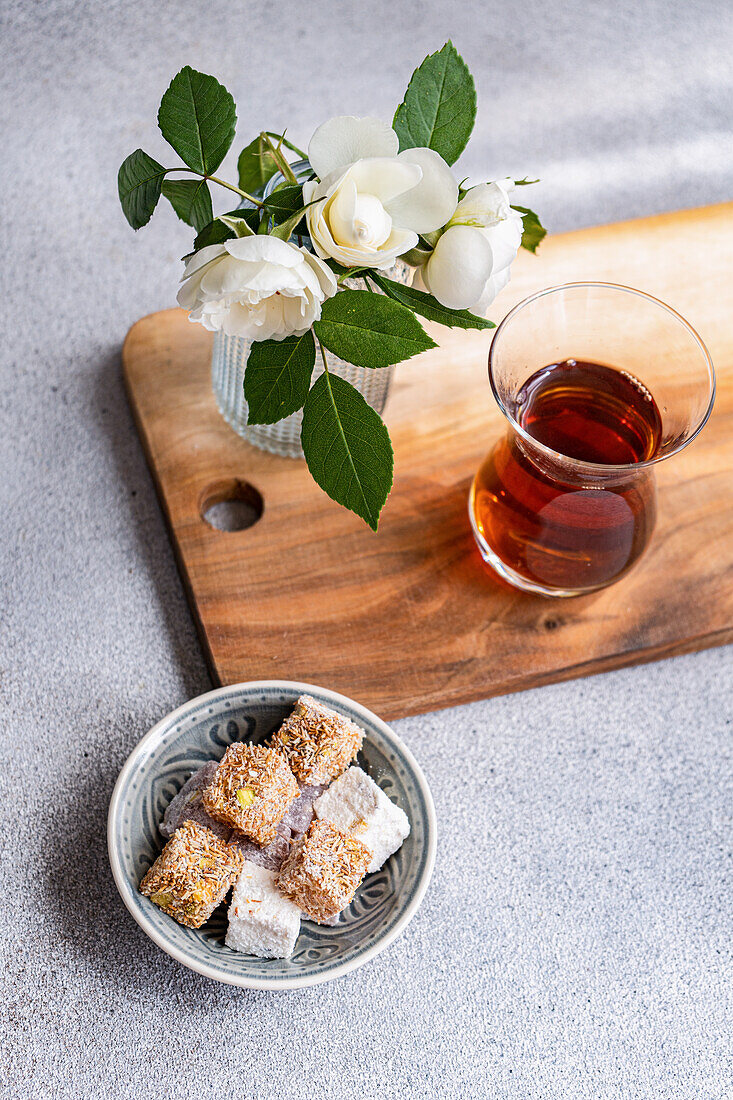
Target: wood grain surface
[[411, 620]]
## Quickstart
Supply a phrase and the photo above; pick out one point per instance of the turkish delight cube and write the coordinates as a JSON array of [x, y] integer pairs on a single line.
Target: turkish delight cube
[[188, 806], [192, 874], [261, 921], [361, 809], [272, 855], [251, 791], [300, 814], [323, 870], [317, 742], [330, 922]]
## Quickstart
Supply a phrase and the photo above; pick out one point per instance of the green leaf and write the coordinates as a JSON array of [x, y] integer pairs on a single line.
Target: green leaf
[[217, 231], [534, 232], [139, 181], [191, 200], [347, 447], [277, 377], [428, 306], [439, 108], [240, 227], [284, 202], [197, 117], [370, 330], [256, 166], [525, 182], [286, 229]]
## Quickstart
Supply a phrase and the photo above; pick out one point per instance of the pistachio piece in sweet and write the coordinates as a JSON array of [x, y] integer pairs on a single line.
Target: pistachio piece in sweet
[[162, 899], [245, 797]]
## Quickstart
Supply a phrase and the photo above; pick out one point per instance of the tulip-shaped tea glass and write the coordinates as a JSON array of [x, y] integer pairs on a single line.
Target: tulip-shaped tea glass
[[598, 383]]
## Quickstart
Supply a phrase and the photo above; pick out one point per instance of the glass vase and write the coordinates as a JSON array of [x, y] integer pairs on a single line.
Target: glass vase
[[228, 362]]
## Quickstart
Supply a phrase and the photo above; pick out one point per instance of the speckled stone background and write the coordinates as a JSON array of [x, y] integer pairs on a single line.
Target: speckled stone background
[[576, 941]]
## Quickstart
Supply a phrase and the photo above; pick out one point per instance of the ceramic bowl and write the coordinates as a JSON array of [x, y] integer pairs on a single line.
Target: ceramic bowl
[[201, 730]]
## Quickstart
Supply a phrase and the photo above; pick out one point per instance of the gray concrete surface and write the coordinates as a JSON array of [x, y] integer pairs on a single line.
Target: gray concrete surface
[[576, 941]]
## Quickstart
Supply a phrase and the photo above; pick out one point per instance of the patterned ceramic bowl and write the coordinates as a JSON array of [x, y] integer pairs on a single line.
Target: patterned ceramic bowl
[[201, 730]]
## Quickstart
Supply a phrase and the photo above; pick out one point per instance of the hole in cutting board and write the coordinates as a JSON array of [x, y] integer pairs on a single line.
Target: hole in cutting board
[[232, 505]]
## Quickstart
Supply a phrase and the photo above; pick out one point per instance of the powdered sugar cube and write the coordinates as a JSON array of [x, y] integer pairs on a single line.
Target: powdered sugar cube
[[357, 806], [261, 921], [272, 855], [300, 814], [187, 804]]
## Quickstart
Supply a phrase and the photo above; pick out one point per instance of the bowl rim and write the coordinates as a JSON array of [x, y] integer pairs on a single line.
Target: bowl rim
[[252, 686]]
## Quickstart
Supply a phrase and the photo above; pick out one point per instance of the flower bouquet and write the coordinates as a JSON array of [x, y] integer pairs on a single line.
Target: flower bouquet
[[302, 265]]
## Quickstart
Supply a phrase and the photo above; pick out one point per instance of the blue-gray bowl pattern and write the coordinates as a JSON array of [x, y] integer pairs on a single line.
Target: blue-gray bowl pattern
[[202, 733]]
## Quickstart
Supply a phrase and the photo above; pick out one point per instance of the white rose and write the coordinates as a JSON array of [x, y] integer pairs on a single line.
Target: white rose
[[471, 261], [259, 287], [372, 201]]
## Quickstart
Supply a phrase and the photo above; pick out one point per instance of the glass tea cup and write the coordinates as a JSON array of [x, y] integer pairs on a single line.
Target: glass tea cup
[[598, 384]]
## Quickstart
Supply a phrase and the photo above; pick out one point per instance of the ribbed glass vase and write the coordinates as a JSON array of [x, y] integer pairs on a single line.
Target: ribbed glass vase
[[229, 359]]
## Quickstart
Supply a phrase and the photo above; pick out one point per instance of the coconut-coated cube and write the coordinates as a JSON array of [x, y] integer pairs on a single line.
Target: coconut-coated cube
[[272, 855], [328, 922], [251, 791], [323, 870], [317, 741], [192, 874], [187, 804], [261, 921], [361, 809]]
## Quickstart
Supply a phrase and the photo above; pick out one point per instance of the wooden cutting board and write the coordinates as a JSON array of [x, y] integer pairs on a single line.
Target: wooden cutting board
[[411, 620]]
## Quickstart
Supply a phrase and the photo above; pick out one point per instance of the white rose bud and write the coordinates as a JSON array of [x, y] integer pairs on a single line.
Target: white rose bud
[[372, 202], [471, 261], [258, 287]]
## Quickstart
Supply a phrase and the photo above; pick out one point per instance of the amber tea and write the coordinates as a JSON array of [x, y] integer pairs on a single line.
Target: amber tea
[[553, 533], [566, 503]]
